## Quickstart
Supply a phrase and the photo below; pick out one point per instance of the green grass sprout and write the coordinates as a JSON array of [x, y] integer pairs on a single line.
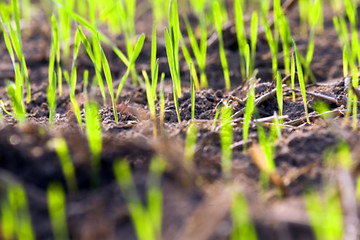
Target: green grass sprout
[[279, 93], [226, 139], [217, 113], [62, 151], [146, 220], [56, 42], [240, 33], [243, 227], [172, 37], [325, 214], [51, 97], [94, 137], [154, 62], [136, 52], [15, 93], [57, 210], [151, 100], [190, 144], [199, 51], [273, 44], [292, 72], [301, 80], [73, 100], [253, 34], [249, 110], [20, 210], [218, 18], [17, 43], [162, 101], [268, 167], [188, 60], [192, 93]]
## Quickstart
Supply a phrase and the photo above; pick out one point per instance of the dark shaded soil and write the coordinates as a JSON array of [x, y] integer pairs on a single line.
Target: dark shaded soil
[[101, 213]]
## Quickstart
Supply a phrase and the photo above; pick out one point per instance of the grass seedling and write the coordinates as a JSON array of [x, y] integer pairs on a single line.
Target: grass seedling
[[249, 109], [94, 137], [62, 151], [268, 166], [240, 34], [95, 56], [213, 126], [242, 225], [162, 101], [56, 42], [57, 211], [146, 220], [154, 63], [301, 81], [151, 100], [136, 52], [15, 93], [65, 25], [199, 50], [192, 93], [292, 76], [273, 43], [325, 214], [17, 44], [253, 33], [172, 37], [71, 80], [190, 144], [218, 18], [279, 93], [20, 210], [226, 139]]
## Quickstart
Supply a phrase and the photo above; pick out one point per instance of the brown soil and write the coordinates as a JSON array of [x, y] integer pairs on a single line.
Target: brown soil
[[192, 199]]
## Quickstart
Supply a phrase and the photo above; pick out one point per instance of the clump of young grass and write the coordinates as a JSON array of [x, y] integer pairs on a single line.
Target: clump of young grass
[[15, 91], [136, 52], [151, 100], [62, 151], [301, 80], [242, 225], [226, 139], [72, 79], [172, 37], [147, 220], [218, 20], [57, 211]]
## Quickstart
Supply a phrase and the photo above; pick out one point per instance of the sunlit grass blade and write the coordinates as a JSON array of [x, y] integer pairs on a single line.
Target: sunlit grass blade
[[192, 93], [57, 211], [162, 101], [62, 151], [249, 109], [150, 99], [240, 33], [154, 62], [292, 72], [94, 137], [242, 225], [254, 29], [73, 100], [218, 25], [226, 139], [136, 52], [301, 80], [279, 93], [190, 144]]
